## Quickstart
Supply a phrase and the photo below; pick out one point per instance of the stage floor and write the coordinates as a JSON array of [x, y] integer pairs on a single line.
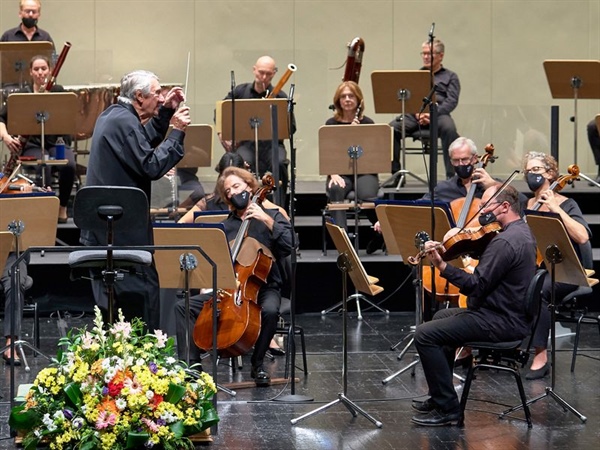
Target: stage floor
[[252, 420]]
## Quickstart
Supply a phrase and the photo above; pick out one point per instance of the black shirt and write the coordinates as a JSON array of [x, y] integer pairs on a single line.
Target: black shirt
[[16, 35], [278, 241], [497, 288]]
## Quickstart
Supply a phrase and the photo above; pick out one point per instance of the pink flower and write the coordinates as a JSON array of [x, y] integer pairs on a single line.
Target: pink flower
[[151, 425], [105, 419], [133, 385]]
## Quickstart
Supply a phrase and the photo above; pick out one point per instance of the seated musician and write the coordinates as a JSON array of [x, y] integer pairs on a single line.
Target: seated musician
[[273, 231], [540, 171], [494, 311], [39, 69], [349, 105], [463, 156]]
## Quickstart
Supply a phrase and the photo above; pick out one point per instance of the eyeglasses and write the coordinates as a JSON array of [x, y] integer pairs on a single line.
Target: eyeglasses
[[461, 161], [429, 53], [535, 169]]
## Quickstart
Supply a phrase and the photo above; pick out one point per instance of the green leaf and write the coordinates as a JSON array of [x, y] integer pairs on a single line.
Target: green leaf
[[74, 394], [210, 418], [30, 443], [136, 439], [178, 429], [175, 393], [23, 420]]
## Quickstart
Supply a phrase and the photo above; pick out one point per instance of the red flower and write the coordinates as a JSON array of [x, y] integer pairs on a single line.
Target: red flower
[[114, 389], [156, 400]]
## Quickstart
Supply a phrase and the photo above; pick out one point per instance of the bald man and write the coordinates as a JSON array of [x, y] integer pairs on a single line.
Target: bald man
[[264, 70]]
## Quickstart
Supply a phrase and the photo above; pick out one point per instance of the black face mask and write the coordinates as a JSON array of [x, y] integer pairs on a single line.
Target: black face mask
[[29, 22], [464, 172], [534, 181], [240, 201], [487, 218]]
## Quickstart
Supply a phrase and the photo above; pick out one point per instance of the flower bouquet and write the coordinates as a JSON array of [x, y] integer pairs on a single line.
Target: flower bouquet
[[116, 388]]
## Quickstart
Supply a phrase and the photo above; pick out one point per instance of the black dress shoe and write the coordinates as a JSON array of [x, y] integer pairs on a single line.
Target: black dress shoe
[[423, 407], [538, 373], [261, 376], [11, 360], [437, 418], [276, 351]]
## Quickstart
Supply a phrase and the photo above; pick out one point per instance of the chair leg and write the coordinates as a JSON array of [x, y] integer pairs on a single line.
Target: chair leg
[[303, 344], [465, 394], [517, 376], [576, 343]]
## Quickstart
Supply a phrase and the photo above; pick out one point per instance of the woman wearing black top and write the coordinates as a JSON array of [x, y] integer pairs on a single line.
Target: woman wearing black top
[[349, 105]]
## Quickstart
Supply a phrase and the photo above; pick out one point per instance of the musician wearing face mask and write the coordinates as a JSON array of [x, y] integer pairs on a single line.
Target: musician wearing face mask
[[463, 156], [540, 171], [494, 310], [273, 232], [264, 71], [27, 30]]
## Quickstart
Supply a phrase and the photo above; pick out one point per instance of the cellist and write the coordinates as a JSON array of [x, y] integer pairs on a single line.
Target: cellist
[[273, 232], [540, 171]]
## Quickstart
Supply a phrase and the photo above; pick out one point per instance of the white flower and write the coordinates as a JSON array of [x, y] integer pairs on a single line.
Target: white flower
[[59, 415], [149, 394], [121, 403], [161, 338], [77, 423], [170, 360], [140, 362]]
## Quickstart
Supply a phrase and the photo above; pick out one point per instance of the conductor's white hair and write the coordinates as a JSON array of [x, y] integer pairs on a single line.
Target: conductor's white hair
[[138, 80]]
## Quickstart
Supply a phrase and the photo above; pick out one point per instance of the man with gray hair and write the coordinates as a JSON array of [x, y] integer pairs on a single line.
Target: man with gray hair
[[129, 149]]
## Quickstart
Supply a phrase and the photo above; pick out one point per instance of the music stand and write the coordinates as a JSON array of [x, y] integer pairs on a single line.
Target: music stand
[[402, 227], [172, 275], [15, 58], [349, 264], [573, 79], [253, 122], [35, 217], [197, 144], [42, 114], [565, 267], [357, 149], [409, 87]]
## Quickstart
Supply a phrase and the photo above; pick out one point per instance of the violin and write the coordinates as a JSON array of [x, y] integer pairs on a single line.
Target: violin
[[15, 183], [470, 242], [238, 312], [560, 183], [462, 208], [557, 186]]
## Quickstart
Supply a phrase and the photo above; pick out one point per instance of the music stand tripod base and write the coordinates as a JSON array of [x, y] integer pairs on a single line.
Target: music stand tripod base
[[357, 297]]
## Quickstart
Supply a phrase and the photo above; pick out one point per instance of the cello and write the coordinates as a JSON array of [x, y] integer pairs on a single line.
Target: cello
[[238, 311], [462, 208]]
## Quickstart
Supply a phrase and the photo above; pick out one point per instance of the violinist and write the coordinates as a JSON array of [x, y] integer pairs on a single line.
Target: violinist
[[274, 234], [40, 70], [494, 310], [540, 171]]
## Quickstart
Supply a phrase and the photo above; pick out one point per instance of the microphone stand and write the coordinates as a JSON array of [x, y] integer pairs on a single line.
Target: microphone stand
[[233, 111], [293, 397]]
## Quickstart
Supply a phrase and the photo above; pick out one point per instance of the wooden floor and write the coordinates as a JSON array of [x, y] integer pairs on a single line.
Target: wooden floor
[[254, 419]]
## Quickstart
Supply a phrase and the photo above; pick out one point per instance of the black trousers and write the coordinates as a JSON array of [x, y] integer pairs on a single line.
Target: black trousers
[[447, 132], [269, 299], [437, 341]]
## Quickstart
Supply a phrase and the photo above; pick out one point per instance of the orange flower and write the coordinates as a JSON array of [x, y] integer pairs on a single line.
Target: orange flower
[[109, 405]]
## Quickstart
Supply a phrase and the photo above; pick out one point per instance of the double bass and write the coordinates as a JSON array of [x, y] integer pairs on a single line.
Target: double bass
[[463, 208], [238, 311]]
